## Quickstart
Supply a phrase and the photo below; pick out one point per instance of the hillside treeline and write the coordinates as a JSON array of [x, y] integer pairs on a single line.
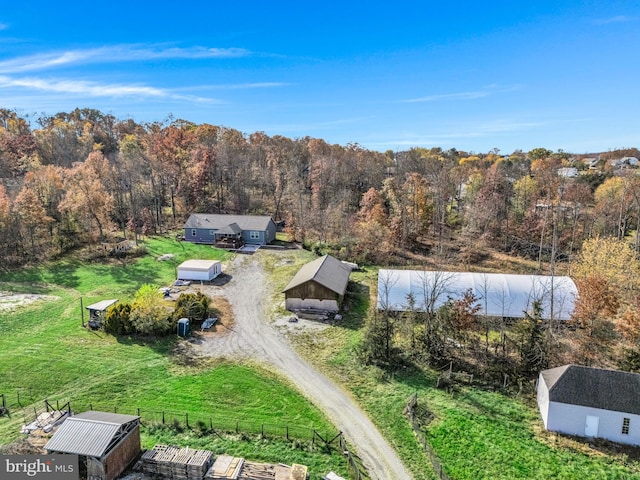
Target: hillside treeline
[[77, 178]]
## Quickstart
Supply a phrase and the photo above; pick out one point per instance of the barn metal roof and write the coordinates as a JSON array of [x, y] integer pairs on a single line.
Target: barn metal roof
[[594, 387], [90, 433], [103, 305], [499, 295], [327, 271]]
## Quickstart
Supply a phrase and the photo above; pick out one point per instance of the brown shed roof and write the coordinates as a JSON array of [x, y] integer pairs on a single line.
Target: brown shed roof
[[327, 271], [594, 387]]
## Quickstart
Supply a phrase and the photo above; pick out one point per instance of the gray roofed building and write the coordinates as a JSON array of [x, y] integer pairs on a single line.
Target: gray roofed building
[[244, 222], [318, 285], [591, 402], [213, 228], [327, 271], [594, 387], [107, 442]]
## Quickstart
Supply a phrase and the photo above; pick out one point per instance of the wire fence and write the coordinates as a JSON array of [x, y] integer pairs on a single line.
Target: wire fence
[[418, 429], [199, 421]]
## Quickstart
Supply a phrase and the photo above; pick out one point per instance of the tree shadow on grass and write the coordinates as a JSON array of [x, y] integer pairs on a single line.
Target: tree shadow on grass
[[162, 345]]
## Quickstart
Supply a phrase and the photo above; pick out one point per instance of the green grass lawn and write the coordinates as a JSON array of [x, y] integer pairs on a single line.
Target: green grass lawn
[[46, 354]]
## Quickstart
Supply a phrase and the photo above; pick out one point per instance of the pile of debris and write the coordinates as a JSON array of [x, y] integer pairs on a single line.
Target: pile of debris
[[45, 422]]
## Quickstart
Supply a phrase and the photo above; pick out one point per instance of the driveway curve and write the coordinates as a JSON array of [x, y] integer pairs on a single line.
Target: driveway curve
[[253, 337]]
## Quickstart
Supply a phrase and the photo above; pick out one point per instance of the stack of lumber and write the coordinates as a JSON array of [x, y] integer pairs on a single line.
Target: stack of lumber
[[163, 461], [150, 458], [225, 467], [198, 464], [179, 464], [176, 463], [258, 471], [298, 472]]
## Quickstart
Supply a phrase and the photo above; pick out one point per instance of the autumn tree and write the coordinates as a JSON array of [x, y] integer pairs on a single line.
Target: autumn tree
[[148, 315], [87, 199], [595, 308]]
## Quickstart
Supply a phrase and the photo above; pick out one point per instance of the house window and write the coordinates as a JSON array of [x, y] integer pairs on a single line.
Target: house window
[[625, 426], [254, 235], [193, 232], [212, 232]]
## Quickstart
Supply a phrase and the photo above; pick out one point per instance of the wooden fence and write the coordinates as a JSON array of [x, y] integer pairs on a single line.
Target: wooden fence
[[418, 429], [207, 424]]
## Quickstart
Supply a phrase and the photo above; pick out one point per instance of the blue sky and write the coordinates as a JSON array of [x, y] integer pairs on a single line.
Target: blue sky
[[387, 75]]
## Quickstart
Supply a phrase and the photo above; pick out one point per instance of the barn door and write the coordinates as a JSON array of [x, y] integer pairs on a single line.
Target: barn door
[[591, 426]]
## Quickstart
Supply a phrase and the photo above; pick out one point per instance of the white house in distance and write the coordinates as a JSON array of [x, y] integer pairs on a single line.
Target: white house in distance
[[591, 402], [203, 270], [499, 295]]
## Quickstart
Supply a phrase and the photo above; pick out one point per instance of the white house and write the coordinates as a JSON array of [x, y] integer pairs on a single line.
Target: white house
[[199, 270], [591, 402]]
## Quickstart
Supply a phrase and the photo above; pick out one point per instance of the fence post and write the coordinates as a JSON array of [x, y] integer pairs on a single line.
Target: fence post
[[186, 417], [163, 417], [237, 430], [91, 406], [115, 409], [138, 411], [262, 430], [287, 432], [211, 423]]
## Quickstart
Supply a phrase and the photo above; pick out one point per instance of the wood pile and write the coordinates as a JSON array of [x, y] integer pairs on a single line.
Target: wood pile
[[177, 463], [225, 467]]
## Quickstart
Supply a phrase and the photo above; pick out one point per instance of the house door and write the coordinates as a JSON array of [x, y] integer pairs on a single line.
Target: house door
[[591, 426]]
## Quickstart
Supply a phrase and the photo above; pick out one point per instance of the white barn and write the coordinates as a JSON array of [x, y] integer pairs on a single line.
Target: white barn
[[591, 402], [499, 295], [204, 270]]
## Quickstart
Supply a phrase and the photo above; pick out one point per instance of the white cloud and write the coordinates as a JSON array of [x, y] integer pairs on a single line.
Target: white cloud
[[237, 86], [449, 96], [94, 89], [118, 53], [472, 95], [616, 19]]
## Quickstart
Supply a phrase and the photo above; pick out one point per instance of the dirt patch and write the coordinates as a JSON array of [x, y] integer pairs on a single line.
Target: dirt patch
[[10, 301]]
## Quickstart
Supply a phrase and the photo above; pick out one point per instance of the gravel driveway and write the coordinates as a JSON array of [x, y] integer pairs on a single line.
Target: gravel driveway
[[252, 337]]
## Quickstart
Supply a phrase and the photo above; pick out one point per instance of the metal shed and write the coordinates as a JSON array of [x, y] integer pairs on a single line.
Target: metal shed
[[105, 442], [204, 270], [97, 312]]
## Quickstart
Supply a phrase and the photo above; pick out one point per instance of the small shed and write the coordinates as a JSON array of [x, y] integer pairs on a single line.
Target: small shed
[[97, 312], [204, 270], [591, 402], [318, 285], [105, 442]]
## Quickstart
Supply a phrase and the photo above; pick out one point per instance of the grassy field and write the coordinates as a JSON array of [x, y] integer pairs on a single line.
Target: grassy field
[[45, 353], [477, 434]]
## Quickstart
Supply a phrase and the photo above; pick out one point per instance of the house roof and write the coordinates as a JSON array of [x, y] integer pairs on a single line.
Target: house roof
[[231, 229], [90, 433], [216, 222], [103, 305], [327, 271], [594, 387], [499, 295]]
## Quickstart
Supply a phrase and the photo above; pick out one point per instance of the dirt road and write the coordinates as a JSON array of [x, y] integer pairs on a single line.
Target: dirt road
[[253, 337]]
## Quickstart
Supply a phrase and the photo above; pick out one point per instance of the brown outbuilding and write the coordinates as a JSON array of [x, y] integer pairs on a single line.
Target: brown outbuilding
[[319, 285], [106, 443]]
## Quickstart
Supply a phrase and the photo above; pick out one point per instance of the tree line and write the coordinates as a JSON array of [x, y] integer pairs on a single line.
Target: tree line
[[75, 178]]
